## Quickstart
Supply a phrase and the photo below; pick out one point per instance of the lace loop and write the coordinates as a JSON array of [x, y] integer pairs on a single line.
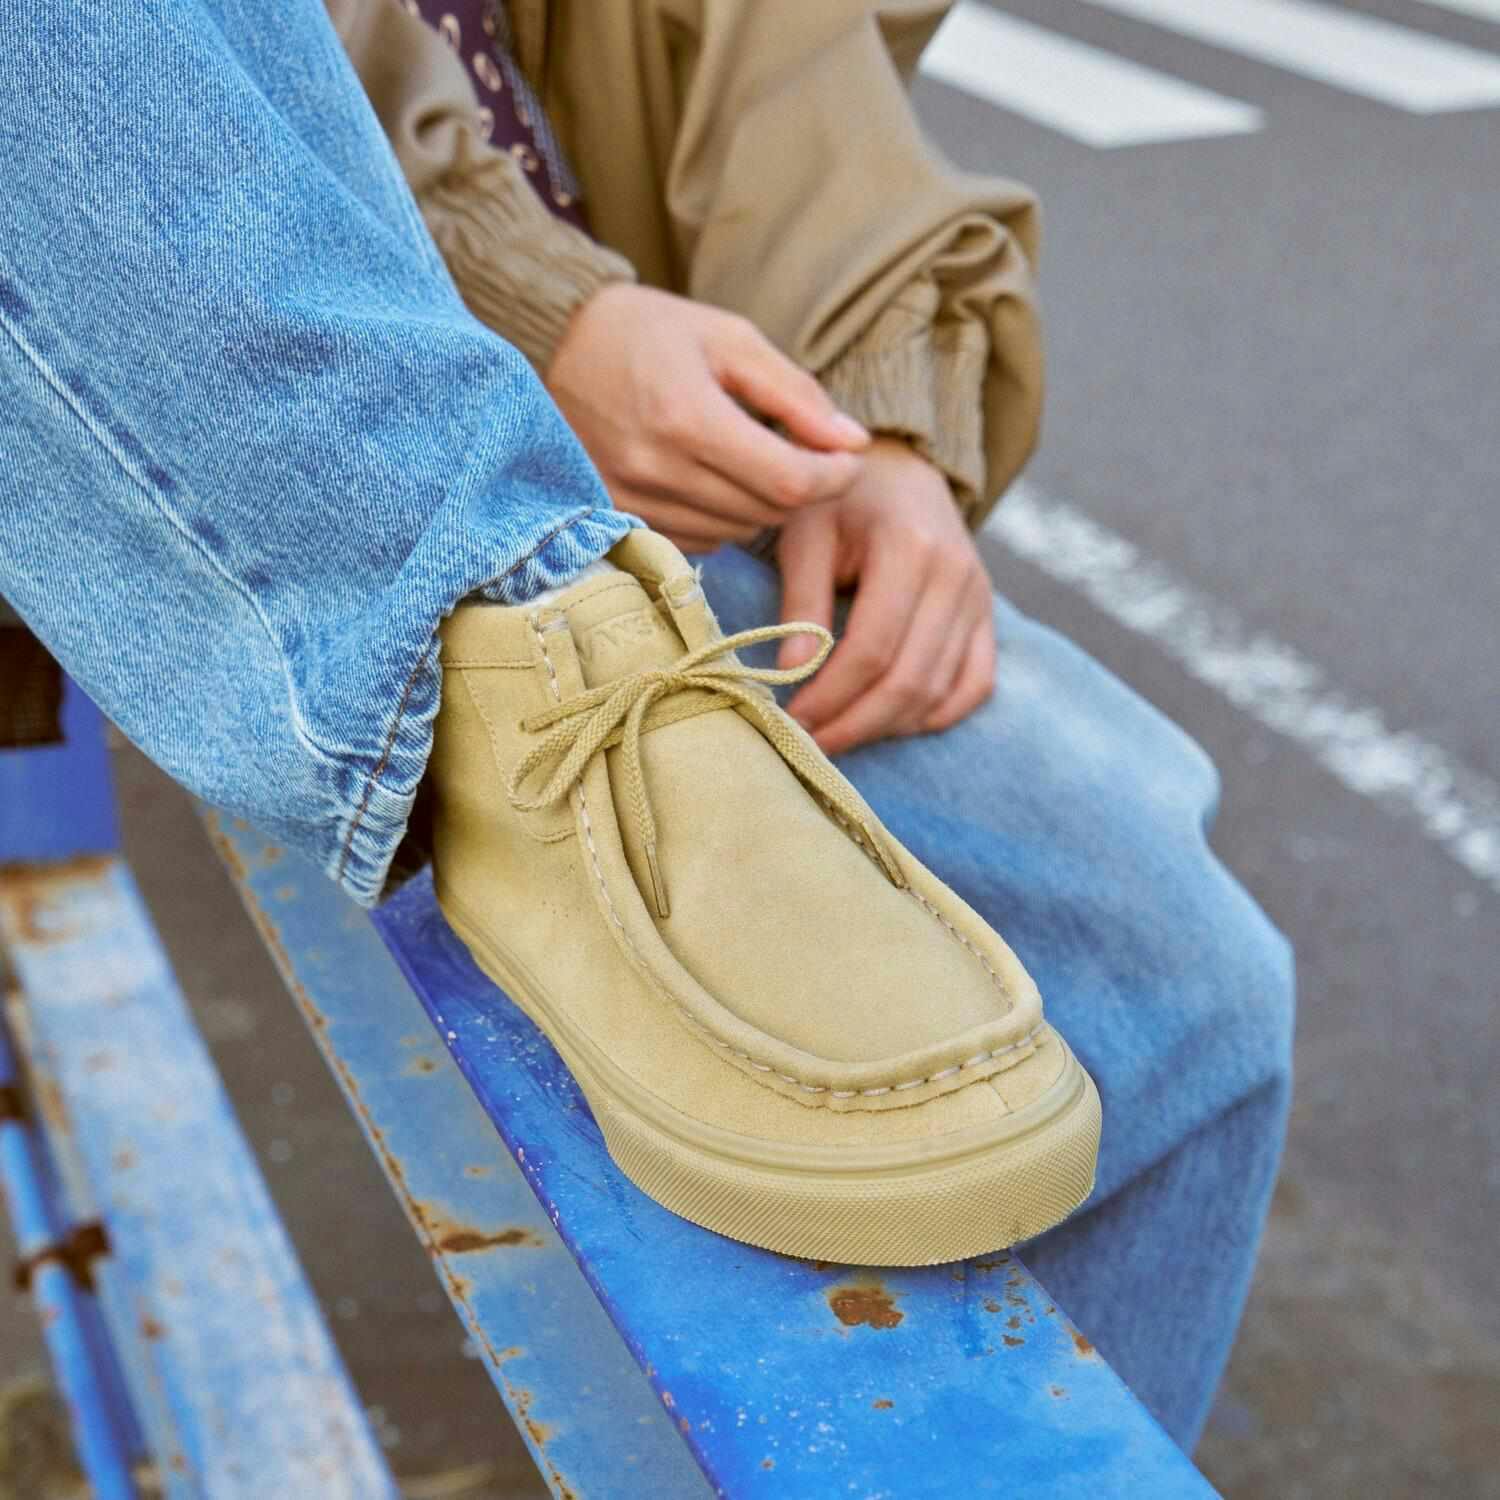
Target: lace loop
[[618, 713]]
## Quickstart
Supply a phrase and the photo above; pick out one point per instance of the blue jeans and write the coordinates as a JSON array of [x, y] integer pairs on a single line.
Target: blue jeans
[[1073, 817], [254, 449], [252, 446]]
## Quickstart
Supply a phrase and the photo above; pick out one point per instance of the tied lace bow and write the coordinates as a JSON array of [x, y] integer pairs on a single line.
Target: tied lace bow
[[620, 712]]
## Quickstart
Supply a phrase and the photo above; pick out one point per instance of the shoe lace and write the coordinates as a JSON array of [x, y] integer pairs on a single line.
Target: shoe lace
[[620, 712]]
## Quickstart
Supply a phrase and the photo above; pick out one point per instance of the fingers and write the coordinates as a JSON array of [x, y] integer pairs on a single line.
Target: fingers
[[954, 650], [682, 523], [778, 472], [807, 552], [898, 701], [672, 472], [749, 366], [884, 603], [975, 682]]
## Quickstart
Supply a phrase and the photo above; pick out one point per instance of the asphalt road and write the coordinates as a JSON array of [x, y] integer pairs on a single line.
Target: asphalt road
[[1275, 359]]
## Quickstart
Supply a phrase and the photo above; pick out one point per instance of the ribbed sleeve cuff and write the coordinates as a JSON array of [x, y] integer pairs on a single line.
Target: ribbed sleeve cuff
[[906, 378], [522, 271]]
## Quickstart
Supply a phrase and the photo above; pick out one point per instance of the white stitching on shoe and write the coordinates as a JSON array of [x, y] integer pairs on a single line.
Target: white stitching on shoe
[[933, 911], [760, 1067], [922, 901]]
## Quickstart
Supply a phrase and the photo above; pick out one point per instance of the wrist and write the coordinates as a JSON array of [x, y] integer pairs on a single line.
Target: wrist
[[593, 311], [901, 458]]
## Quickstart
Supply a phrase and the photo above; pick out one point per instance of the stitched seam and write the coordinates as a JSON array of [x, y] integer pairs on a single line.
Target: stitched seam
[[926, 905], [478, 664], [931, 910], [760, 1067], [380, 765]]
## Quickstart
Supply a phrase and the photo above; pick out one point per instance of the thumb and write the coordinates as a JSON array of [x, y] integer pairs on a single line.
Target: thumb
[[807, 551], [762, 376]]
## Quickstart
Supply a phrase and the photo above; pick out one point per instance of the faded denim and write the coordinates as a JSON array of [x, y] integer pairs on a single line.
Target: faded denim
[[252, 447]]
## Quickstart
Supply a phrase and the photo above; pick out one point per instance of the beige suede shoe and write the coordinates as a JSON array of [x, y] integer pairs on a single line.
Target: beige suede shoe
[[788, 1030]]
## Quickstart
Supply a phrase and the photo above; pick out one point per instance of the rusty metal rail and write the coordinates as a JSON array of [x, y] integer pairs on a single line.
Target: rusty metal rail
[[780, 1377], [224, 1358], [104, 1427]]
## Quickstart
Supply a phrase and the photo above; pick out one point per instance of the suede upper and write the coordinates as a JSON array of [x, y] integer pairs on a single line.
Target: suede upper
[[789, 950]]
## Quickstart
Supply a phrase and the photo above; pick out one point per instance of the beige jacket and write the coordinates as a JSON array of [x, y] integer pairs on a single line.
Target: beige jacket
[[758, 155]]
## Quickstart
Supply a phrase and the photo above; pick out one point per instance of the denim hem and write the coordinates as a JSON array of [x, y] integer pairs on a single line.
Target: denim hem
[[372, 828]]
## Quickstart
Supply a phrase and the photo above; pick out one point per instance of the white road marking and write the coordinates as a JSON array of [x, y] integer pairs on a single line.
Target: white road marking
[[1486, 10], [1457, 807], [1090, 95], [1355, 52]]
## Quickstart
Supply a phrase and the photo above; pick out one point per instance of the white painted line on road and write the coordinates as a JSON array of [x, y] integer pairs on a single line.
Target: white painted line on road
[[1486, 10], [1090, 95], [1458, 808], [1355, 52]]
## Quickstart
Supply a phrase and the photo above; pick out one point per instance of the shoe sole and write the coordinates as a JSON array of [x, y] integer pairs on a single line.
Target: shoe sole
[[1008, 1185]]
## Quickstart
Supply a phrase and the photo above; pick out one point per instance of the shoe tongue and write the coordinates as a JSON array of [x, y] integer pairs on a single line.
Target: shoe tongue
[[617, 630]]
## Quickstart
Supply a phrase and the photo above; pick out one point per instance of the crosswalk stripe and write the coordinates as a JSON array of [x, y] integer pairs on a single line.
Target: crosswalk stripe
[[1354, 52], [1456, 806], [1486, 10], [1090, 95]]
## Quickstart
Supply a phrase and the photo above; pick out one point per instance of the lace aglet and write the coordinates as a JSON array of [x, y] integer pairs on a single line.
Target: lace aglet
[[658, 885]]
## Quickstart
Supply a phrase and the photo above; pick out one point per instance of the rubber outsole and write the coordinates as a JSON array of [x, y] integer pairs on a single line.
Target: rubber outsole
[[1037, 1170], [924, 1216]]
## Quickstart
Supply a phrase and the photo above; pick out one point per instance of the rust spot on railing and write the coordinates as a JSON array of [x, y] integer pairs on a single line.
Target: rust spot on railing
[[884, 1404], [462, 1241], [227, 852], [151, 1329], [869, 1304], [1085, 1349], [29, 894], [540, 1434]]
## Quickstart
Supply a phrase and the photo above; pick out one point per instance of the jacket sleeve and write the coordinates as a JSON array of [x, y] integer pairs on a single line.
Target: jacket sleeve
[[520, 269], [802, 193]]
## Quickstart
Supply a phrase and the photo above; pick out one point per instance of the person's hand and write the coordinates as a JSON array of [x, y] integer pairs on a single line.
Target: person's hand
[[652, 384], [918, 652]]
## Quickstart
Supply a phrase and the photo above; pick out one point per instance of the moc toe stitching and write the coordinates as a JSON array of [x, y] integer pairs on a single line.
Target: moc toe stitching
[[942, 1078]]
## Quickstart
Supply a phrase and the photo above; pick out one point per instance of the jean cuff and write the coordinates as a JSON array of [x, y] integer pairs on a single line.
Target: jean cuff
[[377, 806]]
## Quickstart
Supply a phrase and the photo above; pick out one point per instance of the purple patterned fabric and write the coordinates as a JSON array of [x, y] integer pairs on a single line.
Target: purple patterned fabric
[[510, 116]]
